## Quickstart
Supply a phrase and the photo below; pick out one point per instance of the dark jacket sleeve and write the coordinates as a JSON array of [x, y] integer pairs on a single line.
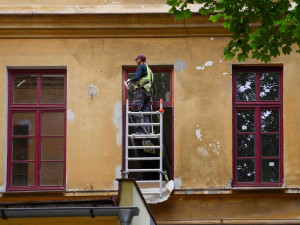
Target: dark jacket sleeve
[[139, 73]]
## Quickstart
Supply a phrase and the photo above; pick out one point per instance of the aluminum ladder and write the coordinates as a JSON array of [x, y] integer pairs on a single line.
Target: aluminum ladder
[[145, 136]]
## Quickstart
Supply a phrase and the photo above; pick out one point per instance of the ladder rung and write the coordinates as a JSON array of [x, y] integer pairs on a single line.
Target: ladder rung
[[143, 170], [143, 158], [144, 113], [148, 181], [143, 147], [143, 124], [144, 136]]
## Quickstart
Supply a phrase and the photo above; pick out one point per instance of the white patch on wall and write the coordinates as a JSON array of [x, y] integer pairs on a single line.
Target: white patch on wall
[[212, 38], [224, 74], [178, 182], [198, 134], [117, 119], [200, 67], [208, 63], [70, 115], [93, 90], [118, 175], [220, 61], [179, 65], [202, 151]]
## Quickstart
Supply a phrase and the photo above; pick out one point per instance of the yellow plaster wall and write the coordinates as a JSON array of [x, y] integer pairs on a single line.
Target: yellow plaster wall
[[202, 100]]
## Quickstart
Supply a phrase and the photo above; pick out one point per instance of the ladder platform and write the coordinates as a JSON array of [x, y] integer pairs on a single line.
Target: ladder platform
[[143, 158], [143, 147], [143, 124]]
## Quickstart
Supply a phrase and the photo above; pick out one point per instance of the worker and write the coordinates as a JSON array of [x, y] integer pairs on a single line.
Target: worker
[[141, 86]]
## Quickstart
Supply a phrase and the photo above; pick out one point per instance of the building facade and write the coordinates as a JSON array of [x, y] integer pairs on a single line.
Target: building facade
[[230, 128]]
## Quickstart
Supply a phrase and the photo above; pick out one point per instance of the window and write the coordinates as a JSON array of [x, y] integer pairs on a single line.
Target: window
[[162, 89], [36, 130], [257, 126]]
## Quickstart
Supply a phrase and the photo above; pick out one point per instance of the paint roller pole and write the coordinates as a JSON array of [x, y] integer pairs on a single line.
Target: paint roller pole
[[126, 141]]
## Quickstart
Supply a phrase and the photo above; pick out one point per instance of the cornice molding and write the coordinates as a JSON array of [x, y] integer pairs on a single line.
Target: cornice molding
[[106, 25]]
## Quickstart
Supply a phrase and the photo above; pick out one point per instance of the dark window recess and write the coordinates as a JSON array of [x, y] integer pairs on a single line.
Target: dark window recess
[[162, 89], [257, 126]]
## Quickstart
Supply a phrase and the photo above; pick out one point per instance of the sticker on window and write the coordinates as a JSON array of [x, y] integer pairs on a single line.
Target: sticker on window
[[244, 127], [271, 163]]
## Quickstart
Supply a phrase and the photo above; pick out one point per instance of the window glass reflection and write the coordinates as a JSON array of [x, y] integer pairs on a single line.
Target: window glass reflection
[[25, 89], [245, 120], [270, 170], [246, 83], [53, 123], [52, 89], [270, 120], [245, 170], [23, 174], [51, 173], [245, 145], [270, 145], [23, 148], [23, 123], [269, 86]]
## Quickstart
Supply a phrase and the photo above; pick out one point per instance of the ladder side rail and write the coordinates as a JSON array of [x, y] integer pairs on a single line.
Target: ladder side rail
[[161, 149], [126, 142]]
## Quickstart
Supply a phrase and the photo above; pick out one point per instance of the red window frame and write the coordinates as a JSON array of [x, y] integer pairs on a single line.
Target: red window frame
[[169, 104], [257, 105], [38, 108]]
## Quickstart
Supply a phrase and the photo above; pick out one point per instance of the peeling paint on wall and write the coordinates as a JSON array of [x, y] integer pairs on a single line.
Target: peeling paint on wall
[[198, 134], [208, 63], [117, 119], [178, 182], [203, 151], [118, 175], [70, 115], [179, 65]]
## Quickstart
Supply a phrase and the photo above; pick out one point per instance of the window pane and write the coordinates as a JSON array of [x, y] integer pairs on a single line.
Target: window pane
[[52, 89], [52, 148], [53, 123], [269, 86], [245, 86], [25, 87], [23, 174], [270, 145], [245, 170], [23, 148], [245, 145], [51, 173], [245, 120], [161, 86], [270, 120], [24, 123], [270, 170]]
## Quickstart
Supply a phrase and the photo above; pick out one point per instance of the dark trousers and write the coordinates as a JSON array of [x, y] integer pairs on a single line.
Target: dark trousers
[[141, 102]]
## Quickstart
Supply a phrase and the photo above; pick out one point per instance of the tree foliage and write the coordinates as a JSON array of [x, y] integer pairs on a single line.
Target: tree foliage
[[277, 25]]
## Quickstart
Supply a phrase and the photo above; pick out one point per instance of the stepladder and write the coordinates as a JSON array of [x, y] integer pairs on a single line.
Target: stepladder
[[144, 151]]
